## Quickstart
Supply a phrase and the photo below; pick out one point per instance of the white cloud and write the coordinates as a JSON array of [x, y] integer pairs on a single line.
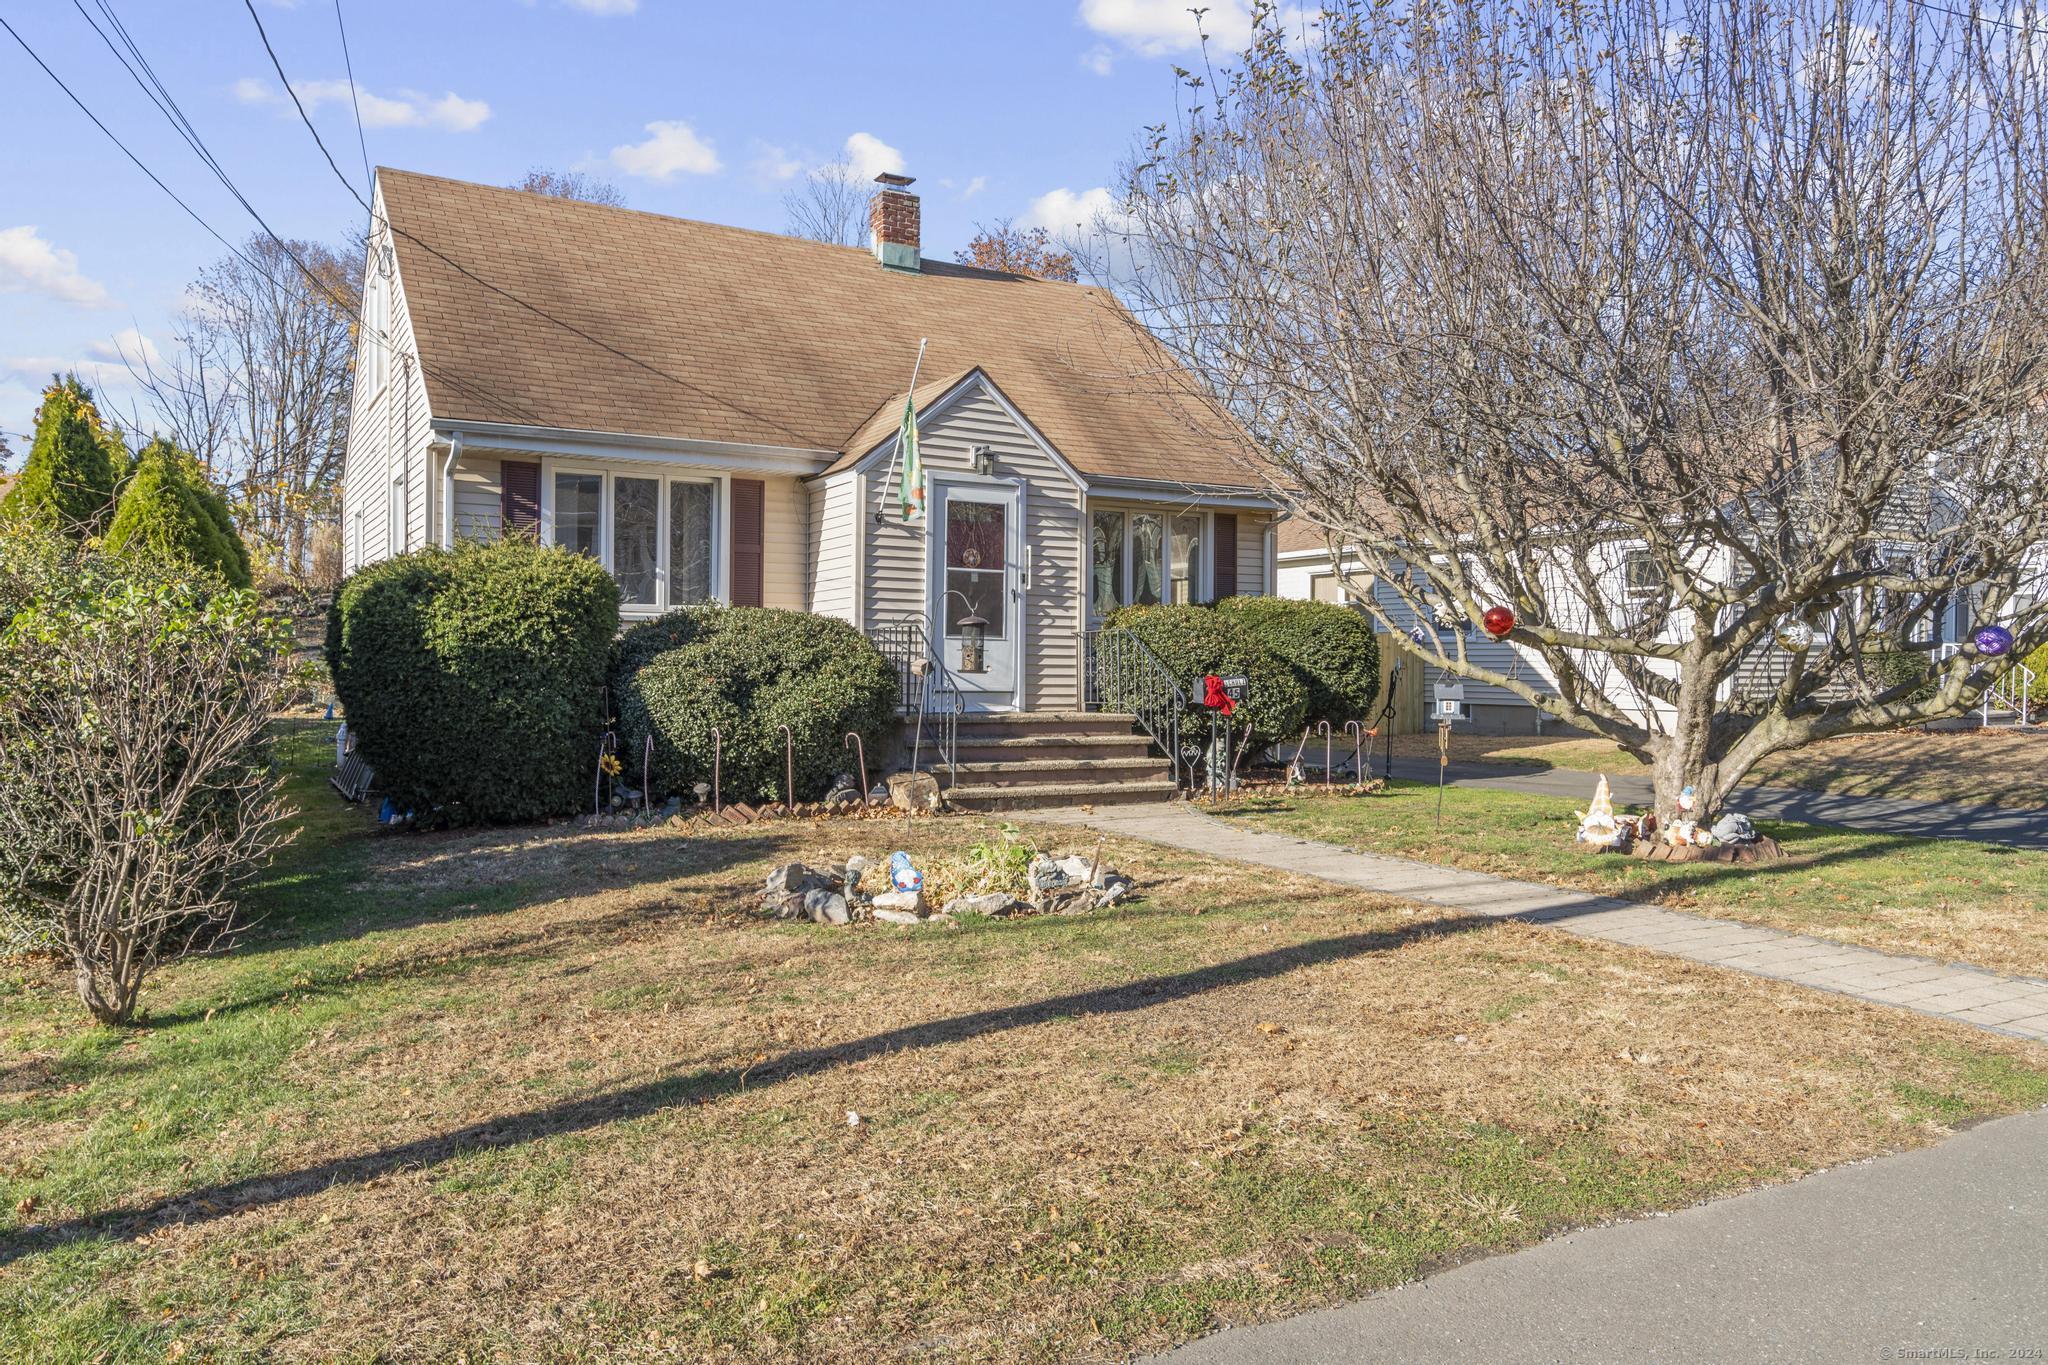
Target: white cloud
[[1063, 211], [672, 146], [448, 113], [1155, 28], [772, 165], [604, 6], [126, 347], [974, 187], [30, 265], [1099, 59], [870, 156]]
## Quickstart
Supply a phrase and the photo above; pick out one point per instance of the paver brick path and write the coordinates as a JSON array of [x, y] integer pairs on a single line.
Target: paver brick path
[[2002, 1004]]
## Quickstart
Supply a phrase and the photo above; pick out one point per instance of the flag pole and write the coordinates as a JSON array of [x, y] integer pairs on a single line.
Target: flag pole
[[917, 366]]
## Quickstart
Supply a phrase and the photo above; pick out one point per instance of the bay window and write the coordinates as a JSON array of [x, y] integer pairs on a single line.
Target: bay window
[[655, 533], [1139, 558]]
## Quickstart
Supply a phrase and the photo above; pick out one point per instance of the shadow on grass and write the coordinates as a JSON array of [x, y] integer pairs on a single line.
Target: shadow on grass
[[704, 1085]]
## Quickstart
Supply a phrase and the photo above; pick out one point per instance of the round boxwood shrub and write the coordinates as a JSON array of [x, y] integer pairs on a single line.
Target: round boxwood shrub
[[750, 671], [2038, 661], [1331, 647], [1192, 641], [473, 678]]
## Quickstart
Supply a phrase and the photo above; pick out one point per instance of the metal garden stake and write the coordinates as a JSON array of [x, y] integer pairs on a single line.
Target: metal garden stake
[[788, 768], [1357, 751], [717, 760], [1324, 727], [860, 748], [646, 769]]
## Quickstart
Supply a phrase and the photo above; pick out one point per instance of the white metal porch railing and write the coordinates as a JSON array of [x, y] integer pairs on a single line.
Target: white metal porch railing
[[2014, 690]]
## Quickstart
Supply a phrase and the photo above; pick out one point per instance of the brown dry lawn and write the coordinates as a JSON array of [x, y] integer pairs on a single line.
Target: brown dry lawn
[[1998, 767], [551, 1095]]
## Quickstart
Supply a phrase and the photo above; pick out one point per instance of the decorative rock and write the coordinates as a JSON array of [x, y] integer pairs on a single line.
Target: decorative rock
[[1078, 869], [787, 878], [911, 902], [878, 794], [1046, 875], [855, 866], [1114, 890], [841, 798], [888, 916], [915, 792], [826, 907], [995, 904]]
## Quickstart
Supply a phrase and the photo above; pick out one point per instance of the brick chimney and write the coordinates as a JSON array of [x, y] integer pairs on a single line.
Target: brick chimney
[[893, 223]]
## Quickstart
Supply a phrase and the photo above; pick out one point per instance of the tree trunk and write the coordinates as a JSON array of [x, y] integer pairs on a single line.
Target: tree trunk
[[112, 1001], [1684, 760]]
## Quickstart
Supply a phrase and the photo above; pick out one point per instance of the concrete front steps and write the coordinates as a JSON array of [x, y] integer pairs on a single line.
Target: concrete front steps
[[1023, 760]]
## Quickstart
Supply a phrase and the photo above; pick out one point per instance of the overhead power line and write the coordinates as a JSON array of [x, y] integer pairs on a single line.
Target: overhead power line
[[348, 66], [166, 105], [465, 271]]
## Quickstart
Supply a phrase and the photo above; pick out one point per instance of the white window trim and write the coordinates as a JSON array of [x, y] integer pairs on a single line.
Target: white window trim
[[721, 518]]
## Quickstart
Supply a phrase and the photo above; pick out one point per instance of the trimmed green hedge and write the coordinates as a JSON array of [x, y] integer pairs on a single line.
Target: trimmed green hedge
[[473, 678], [1331, 647], [749, 671], [1192, 641]]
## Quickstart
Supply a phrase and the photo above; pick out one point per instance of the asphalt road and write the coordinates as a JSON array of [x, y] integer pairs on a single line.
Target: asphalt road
[[1938, 1254]]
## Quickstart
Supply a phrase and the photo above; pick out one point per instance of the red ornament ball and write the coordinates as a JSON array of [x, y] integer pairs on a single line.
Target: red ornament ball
[[1498, 621]]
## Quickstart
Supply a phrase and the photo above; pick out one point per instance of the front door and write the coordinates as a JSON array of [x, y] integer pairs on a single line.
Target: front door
[[978, 588]]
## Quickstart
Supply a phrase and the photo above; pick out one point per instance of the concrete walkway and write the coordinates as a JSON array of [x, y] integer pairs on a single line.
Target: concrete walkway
[[1934, 1254], [1971, 995], [1874, 814]]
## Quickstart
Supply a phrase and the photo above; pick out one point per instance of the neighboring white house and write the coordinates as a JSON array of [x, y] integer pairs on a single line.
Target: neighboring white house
[[713, 414], [1307, 572]]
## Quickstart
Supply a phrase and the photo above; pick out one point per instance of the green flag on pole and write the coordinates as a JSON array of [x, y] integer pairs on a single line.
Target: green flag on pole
[[910, 486], [910, 492]]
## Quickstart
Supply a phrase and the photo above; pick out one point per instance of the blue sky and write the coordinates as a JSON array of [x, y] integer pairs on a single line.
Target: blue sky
[[1017, 109]]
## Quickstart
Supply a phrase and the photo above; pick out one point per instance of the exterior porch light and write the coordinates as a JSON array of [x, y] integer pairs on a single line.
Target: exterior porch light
[[984, 460]]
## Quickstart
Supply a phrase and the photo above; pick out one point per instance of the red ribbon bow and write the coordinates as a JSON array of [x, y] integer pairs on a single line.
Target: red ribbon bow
[[1214, 696]]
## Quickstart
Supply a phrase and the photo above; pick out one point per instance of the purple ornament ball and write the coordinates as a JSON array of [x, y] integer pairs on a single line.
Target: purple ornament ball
[[1993, 640]]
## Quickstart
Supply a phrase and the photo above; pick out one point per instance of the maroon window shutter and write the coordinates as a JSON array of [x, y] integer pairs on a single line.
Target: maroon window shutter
[[1224, 578], [519, 498], [749, 496]]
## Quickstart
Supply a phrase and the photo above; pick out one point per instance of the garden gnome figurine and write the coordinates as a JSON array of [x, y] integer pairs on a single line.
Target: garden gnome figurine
[[1597, 825]]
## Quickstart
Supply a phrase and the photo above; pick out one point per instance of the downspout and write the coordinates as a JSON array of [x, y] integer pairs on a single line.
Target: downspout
[[448, 491]]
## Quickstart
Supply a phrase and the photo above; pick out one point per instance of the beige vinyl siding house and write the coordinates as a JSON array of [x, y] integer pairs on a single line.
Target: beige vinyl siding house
[[754, 459]]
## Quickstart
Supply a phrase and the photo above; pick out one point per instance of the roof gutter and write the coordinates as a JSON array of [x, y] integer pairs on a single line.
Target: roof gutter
[[1186, 494], [540, 440]]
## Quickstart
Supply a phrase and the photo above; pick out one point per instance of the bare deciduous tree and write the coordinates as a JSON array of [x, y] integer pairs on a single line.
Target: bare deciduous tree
[[192, 394], [830, 204], [572, 185], [259, 385], [1706, 337], [1018, 251], [135, 795]]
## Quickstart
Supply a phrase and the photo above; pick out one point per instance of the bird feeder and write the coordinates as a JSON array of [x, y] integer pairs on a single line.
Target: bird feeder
[[973, 643]]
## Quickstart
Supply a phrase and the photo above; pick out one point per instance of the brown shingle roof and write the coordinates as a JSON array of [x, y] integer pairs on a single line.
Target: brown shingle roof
[[882, 424], [712, 333]]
